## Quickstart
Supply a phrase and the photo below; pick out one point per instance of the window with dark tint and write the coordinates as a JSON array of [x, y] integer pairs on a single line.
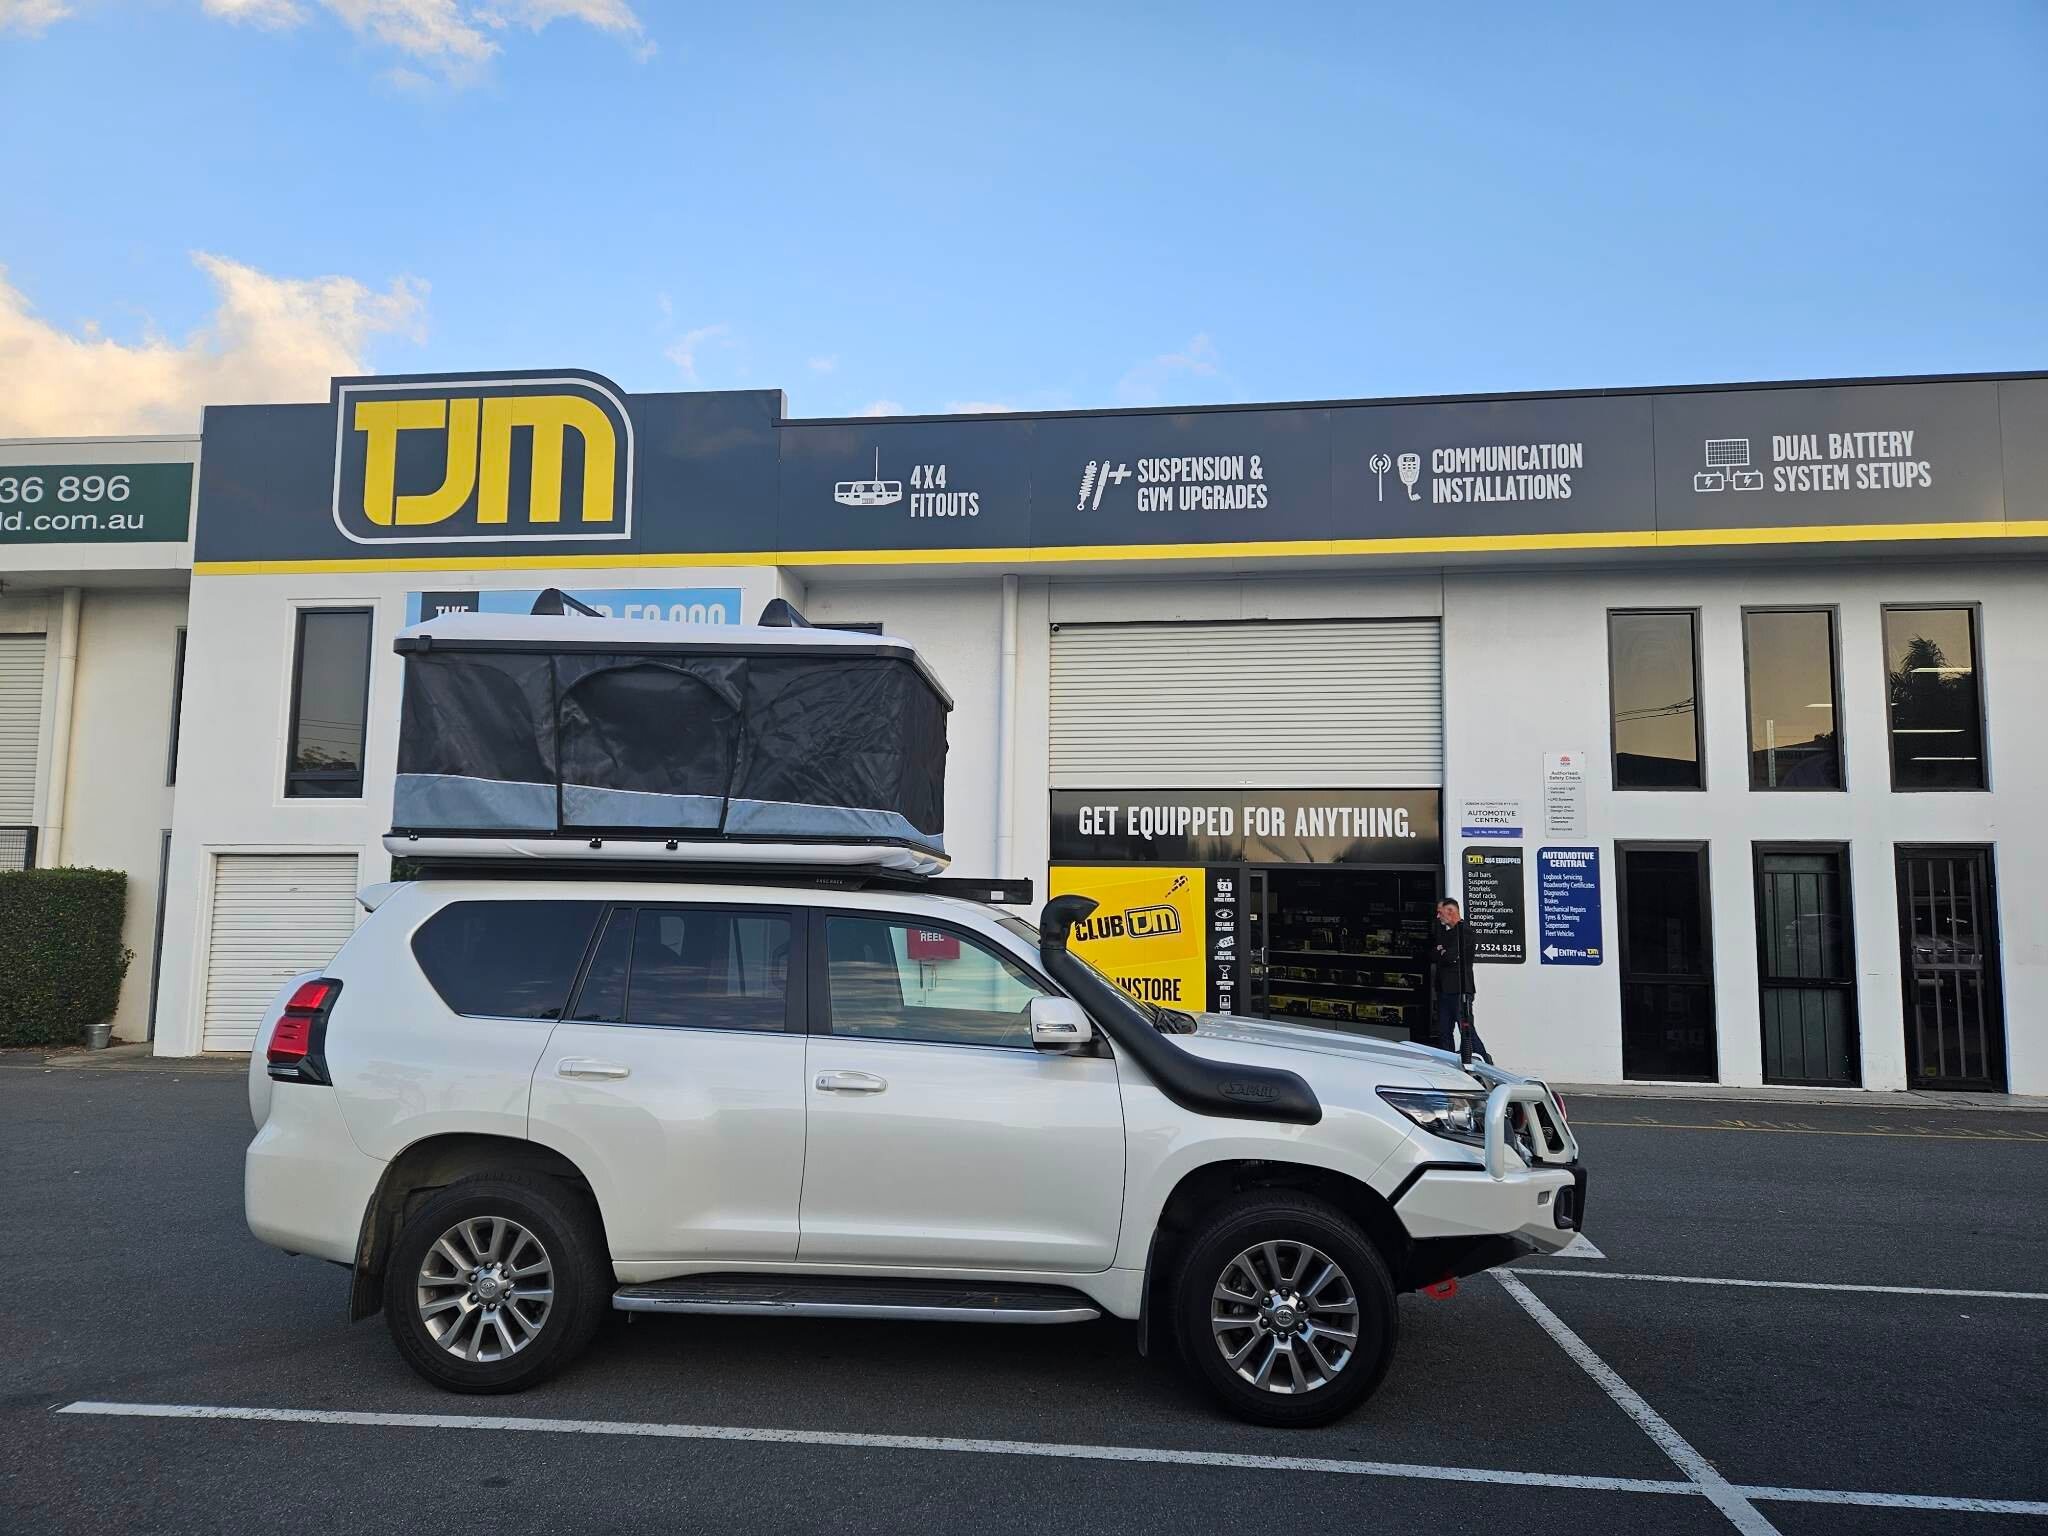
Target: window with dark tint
[[1655, 683], [177, 706], [1937, 707], [506, 959], [1793, 741], [603, 998], [330, 698], [705, 969], [892, 981]]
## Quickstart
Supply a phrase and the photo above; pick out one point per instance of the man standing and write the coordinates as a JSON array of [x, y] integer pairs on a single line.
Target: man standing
[[1450, 971]]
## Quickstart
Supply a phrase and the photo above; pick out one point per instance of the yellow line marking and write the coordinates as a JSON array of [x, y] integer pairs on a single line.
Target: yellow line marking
[[2035, 1138], [1068, 554]]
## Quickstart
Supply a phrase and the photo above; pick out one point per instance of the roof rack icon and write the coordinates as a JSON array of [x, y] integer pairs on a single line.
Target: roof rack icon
[[869, 493]]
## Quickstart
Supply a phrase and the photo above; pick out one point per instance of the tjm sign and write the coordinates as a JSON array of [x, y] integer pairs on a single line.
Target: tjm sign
[[485, 458]]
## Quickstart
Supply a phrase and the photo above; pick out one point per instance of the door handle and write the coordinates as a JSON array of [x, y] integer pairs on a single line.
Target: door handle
[[584, 1066], [850, 1082]]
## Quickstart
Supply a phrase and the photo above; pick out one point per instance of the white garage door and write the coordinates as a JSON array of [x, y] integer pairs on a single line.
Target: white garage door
[[1265, 705], [274, 915], [21, 726]]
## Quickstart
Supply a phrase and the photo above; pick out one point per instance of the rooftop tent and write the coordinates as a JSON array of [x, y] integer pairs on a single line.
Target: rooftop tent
[[543, 735]]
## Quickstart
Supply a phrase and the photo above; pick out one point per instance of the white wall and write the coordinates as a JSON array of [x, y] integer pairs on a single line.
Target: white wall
[[118, 802], [1525, 659], [237, 702]]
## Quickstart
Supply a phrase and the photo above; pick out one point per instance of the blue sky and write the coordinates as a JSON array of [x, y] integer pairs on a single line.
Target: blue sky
[[1042, 206]]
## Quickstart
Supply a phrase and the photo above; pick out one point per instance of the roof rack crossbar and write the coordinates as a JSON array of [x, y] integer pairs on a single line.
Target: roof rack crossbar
[[838, 877]]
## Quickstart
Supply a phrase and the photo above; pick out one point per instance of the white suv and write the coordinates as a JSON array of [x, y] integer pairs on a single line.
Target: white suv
[[510, 1104]]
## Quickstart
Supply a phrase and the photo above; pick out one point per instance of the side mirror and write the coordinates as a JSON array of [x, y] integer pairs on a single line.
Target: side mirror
[[1058, 1023]]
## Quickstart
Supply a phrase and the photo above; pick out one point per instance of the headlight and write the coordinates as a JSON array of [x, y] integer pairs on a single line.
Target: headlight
[[1458, 1116]]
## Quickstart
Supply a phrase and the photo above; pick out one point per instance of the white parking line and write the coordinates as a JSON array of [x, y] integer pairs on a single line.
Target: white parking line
[[1049, 1449], [1779, 1285], [1742, 1514], [857, 1441]]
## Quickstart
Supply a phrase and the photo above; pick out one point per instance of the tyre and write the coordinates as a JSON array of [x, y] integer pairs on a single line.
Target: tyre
[[1283, 1307], [497, 1282]]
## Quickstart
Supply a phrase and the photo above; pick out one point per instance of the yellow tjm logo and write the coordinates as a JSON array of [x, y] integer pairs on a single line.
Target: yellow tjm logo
[[475, 496]]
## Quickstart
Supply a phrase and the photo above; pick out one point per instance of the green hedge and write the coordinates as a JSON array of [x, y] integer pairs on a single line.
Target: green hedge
[[61, 955]]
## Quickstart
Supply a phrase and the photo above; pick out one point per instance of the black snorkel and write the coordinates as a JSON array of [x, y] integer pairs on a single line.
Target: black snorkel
[[1202, 1086]]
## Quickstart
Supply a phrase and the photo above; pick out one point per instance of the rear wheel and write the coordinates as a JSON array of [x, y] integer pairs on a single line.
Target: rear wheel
[[496, 1282], [1284, 1308]]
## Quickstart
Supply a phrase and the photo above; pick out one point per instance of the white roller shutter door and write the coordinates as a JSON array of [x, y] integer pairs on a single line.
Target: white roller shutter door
[[1260, 705], [21, 726], [274, 915]]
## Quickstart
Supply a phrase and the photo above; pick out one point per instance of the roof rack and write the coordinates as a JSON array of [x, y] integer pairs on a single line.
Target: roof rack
[[838, 877]]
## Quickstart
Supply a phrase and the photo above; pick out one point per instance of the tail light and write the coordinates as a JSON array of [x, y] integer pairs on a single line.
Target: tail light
[[298, 1045]]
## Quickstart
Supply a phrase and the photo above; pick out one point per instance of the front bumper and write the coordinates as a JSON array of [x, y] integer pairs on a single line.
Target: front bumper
[[1462, 1221]]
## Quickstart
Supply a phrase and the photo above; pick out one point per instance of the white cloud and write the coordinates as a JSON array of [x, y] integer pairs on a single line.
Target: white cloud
[[684, 349], [1144, 384], [447, 35], [31, 17], [258, 13], [268, 339], [823, 364], [975, 407], [881, 408]]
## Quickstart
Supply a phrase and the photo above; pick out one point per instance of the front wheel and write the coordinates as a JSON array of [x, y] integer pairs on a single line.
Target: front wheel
[[1285, 1310], [496, 1282]]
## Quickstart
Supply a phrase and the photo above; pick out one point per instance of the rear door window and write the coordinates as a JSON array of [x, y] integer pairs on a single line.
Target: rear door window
[[506, 959], [690, 968]]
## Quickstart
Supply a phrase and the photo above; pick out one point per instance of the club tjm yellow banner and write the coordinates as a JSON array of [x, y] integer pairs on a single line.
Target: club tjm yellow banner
[[1147, 933]]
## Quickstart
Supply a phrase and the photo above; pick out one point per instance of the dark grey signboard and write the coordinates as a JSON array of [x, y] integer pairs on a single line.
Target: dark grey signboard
[[1493, 903], [95, 503], [1246, 826], [560, 462]]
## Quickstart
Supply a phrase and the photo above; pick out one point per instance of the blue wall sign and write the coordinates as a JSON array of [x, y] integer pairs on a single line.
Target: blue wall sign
[[1568, 906], [678, 605]]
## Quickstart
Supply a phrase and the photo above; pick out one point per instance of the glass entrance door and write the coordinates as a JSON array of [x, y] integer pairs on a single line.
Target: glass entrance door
[[1806, 955], [1344, 948], [1948, 928], [1667, 967]]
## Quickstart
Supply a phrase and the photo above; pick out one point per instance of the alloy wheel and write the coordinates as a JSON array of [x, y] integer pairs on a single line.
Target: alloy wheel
[[1285, 1316], [485, 1289]]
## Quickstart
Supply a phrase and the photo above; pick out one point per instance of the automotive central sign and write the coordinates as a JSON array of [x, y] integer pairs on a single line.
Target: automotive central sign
[[491, 458], [485, 466]]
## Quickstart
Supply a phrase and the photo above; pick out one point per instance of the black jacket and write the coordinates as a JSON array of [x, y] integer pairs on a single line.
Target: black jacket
[[1450, 957]]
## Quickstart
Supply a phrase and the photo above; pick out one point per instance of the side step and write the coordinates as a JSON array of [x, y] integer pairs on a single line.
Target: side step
[[927, 1301]]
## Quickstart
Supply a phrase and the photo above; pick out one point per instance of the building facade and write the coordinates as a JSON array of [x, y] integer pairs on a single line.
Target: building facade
[[1714, 706], [95, 560]]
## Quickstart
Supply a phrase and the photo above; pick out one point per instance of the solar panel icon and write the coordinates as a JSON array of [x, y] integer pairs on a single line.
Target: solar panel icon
[[1727, 453]]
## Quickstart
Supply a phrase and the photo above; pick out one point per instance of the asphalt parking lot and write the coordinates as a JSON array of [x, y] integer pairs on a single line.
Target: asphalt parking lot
[[1899, 1384]]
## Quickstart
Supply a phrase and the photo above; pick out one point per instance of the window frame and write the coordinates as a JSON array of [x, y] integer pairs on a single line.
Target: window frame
[[291, 722], [1975, 611], [820, 1013], [1699, 710], [1834, 618], [795, 991]]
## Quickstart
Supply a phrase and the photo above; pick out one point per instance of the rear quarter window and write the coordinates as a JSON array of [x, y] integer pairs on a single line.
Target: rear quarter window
[[505, 959]]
